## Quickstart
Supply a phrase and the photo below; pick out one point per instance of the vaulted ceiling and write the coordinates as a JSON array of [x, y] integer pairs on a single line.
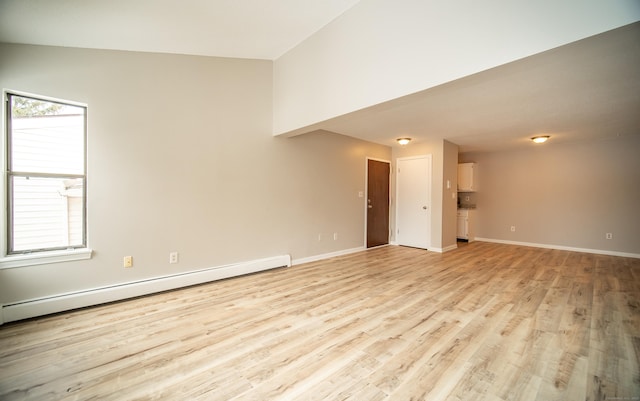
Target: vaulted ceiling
[[255, 29], [588, 89]]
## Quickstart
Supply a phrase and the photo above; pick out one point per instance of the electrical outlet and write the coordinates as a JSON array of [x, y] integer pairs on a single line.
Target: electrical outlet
[[513, 228], [319, 237], [335, 236], [173, 257], [127, 261], [609, 235]]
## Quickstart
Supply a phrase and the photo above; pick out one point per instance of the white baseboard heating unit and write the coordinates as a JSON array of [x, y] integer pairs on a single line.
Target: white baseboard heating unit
[[79, 299]]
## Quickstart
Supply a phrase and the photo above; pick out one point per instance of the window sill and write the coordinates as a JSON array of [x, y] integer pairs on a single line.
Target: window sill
[[42, 258]]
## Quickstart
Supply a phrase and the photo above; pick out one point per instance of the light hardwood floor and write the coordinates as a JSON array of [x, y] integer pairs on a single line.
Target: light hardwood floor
[[484, 322]]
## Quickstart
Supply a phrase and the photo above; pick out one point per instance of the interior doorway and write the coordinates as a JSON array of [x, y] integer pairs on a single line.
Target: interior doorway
[[413, 201], [377, 207]]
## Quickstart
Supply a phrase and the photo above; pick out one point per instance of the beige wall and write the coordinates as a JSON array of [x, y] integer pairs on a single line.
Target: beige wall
[[449, 195], [182, 158], [562, 194]]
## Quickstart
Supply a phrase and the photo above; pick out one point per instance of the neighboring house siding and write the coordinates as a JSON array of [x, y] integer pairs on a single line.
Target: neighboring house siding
[[47, 212]]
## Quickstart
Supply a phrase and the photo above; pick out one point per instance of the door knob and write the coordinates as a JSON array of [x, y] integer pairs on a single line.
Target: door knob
[[424, 207], [370, 206]]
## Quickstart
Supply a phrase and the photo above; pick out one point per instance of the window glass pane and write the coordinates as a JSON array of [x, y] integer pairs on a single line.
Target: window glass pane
[[47, 212], [46, 137]]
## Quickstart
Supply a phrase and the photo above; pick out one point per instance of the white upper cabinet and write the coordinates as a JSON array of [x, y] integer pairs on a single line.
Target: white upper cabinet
[[467, 181]]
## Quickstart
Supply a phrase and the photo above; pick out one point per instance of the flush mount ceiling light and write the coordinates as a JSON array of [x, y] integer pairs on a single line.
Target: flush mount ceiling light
[[403, 141], [540, 138]]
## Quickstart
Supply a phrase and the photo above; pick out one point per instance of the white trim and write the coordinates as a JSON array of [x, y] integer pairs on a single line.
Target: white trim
[[378, 159], [329, 255], [562, 247], [79, 299], [44, 97], [3, 169], [42, 258], [445, 249], [430, 249], [46, 257]]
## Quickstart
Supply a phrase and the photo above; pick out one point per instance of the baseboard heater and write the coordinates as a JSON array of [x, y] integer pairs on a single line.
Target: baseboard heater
[[64, 302]]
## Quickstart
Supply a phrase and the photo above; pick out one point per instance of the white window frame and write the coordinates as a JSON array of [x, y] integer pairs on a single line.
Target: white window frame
[[44, 256]]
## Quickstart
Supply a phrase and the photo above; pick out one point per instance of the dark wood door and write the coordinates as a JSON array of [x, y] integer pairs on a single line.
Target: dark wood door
[[377, 203]]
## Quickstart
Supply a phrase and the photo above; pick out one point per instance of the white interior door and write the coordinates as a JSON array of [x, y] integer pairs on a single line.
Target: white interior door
[[413, 205]]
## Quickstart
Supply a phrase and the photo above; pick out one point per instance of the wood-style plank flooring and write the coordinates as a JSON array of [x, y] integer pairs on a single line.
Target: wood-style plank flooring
[[483, 322]]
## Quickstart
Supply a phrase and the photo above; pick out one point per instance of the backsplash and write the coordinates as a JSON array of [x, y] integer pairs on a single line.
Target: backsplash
[[467, 200]]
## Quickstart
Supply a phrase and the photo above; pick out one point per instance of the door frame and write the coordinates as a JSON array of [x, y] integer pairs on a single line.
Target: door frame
[[366, 193], [429, 158]]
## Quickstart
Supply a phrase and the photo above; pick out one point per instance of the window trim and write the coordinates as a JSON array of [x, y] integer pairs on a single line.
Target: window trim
[[35, 256], [45, 257]]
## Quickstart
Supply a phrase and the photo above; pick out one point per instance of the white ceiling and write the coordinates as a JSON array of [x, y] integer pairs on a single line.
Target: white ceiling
[[589, 89], [256, 29]]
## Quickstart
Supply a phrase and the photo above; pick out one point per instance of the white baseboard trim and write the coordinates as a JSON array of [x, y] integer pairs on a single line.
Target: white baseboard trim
[[562, 247], [432, 249], [327, 255], [79, 299], [445, 249]]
